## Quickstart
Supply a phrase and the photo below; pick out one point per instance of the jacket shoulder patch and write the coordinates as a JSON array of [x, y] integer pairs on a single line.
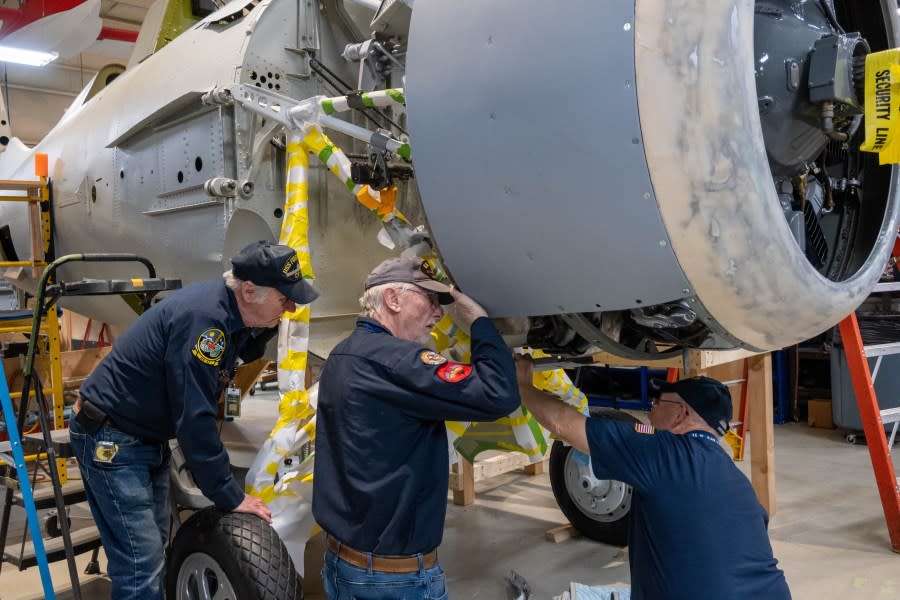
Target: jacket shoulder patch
[[454, 372], [432, 358], [210, 346]]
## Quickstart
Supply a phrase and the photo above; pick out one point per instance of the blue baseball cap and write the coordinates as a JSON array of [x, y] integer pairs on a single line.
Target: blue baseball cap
[[710, 398], [275, 266]]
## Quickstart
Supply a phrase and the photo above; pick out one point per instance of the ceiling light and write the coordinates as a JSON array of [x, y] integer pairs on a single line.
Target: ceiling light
[[34, 58]]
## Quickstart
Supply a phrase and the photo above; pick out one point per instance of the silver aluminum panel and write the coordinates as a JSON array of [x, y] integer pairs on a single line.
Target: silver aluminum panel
[[544, 137]]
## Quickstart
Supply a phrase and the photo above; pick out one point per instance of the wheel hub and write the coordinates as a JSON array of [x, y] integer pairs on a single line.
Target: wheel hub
[[600, 499], [202, 578]]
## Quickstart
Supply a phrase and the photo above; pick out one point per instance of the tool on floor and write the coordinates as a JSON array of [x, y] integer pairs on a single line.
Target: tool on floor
[[516, 587]]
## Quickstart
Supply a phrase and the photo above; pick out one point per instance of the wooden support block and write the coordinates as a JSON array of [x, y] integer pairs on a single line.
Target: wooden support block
[[561, 533], [697, 361], [485, 468], [762, 437], [534, 468], [605, 358], [464, 491]]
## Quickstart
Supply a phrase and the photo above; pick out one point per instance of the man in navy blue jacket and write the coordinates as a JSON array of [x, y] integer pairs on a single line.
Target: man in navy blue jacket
[[696, 529], [161, 381], [381, 467]]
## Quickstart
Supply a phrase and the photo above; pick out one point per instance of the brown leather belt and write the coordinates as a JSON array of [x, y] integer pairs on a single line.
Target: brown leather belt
[[387, 564]]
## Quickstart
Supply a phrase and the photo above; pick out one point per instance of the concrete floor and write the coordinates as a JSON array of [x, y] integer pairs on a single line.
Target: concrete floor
[[828, 533]]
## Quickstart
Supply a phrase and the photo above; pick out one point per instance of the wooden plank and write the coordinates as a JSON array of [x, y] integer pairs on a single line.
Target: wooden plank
[[762, 436], [696, 361], [491, 467], [605, 358], [37, 237], [19, 185], [65, 331], [497, 465]]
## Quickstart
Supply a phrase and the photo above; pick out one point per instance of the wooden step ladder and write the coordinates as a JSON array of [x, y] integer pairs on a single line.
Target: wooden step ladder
[[873, 418]]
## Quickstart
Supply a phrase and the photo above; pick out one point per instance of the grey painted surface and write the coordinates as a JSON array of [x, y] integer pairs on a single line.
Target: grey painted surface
[[529, 157]]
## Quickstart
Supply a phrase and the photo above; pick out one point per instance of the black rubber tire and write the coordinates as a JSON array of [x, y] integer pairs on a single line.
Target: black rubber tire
[[246, 548], [614, 533]]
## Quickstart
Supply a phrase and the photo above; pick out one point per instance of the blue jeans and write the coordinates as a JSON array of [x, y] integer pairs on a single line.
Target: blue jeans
[[344, 581], [128, 497]]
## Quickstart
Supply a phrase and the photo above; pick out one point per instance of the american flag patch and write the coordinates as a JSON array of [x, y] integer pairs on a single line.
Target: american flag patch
[[644, 428]]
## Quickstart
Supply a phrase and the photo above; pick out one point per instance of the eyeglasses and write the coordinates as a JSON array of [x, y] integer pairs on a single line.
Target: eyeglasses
[[432, 296], [657, 400]]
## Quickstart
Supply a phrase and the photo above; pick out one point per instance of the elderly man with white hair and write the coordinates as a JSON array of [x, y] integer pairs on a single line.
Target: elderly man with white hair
[[162, 381], [381, 444]]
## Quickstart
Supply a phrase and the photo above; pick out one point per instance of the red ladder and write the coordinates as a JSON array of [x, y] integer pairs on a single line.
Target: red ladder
[[871, 415]]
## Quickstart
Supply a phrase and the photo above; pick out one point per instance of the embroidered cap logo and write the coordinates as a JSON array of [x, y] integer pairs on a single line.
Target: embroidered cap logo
[[426, 268], [291, 268]]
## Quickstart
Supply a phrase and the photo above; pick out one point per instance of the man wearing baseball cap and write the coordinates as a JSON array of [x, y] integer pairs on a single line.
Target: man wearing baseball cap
[[696, 529], [381, 466], [162, 381]]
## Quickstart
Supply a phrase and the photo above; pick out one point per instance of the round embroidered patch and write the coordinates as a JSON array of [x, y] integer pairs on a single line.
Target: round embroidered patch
[[432, 358], [454, 372], [210, 346]]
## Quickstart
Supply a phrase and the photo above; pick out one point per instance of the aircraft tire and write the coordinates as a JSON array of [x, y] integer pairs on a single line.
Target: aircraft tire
[[608, 524], [215, 551]]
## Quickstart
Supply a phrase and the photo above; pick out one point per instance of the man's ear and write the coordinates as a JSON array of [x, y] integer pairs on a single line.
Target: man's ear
[[684, 414], [391, 297], [245, 290]]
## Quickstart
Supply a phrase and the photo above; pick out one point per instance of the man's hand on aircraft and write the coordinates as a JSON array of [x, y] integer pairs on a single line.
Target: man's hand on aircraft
[[524, 370], [465, 310]]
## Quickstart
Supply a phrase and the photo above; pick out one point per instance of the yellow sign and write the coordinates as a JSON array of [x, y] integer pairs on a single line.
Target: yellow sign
[[883, 106]]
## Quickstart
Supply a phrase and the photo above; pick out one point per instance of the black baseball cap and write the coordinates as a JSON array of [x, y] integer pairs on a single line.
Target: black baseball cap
[[274, 266], [710, 398], [409, 270]]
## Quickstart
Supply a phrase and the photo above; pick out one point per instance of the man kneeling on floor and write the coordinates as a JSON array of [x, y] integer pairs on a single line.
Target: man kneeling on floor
[[696, 529]]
